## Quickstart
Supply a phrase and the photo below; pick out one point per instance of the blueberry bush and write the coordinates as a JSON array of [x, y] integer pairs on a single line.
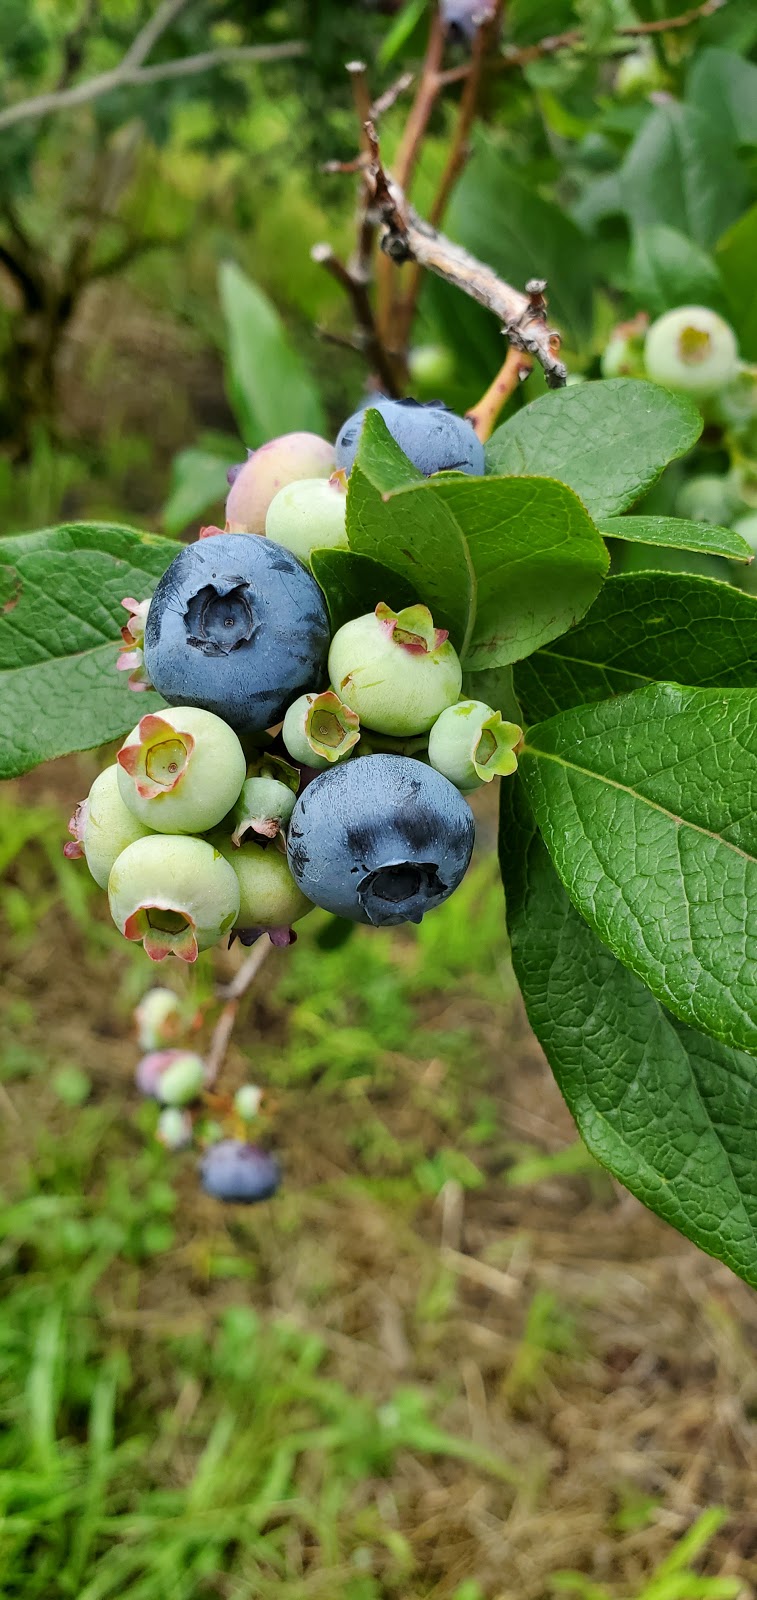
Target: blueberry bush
[[429, 597]]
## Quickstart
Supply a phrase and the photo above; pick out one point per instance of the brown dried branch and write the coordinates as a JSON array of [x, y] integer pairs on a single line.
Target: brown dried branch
[[483, 44], [405, 163], [356, 289], [406, 237], [390, 96], [361, 266], [233, 994]]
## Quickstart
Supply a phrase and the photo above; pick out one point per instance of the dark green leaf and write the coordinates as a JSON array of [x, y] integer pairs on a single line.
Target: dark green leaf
[[60, 616], [642, 628], [198, 481], [496, 688], [269, 385], [681, 170], [724, 85], [506, 223], [608, 440], [504, 563], [648, 806], [671, 1113], [736, 255], [355, 584], [678, 533], [668, 270]]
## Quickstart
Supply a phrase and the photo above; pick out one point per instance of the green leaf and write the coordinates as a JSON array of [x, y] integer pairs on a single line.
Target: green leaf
[[496, 688], [504, 563], [403, 26], [60, 616], [671, 1113], [648, 806], [681, 170], [507, 224], [642, 628], [608, 440], [354, 585], [270, 387], [678, 533], [668, 270], [198, 480], [736, 254], [724, 85]]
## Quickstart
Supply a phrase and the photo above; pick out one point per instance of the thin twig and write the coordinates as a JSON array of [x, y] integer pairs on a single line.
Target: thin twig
[[390, 96], [362, 262], [357, 291], [405, 163], [156, 25], [121, 77], [458, 154], [515, 367], [233, 994], [521, 56], [406, 237]]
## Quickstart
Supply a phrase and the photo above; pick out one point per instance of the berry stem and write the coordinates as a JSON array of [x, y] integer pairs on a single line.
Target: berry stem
[[515, 367], [233, 994]]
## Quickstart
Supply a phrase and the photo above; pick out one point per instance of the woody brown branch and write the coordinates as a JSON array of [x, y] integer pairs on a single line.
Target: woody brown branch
[[356, 289], [406, 237]]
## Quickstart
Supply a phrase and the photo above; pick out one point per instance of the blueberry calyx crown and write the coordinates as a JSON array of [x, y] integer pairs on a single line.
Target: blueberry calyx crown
[[219, 618], [413, 629], [399, 891]]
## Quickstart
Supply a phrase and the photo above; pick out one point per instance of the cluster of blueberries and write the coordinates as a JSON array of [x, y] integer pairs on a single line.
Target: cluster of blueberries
[[177, 1077], [290, 768]]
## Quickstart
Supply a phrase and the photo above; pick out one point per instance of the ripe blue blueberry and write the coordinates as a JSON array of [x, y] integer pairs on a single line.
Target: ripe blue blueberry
[[231, 1170], [433, 438], [380, 840], [238, 627]]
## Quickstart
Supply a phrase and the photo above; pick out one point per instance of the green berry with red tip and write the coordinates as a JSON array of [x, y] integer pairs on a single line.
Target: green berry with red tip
[[181, 771], [268, 895], [267, 470], [174, 895], [470, 744], [319, 730], [395, 669], [310, 515], [267, 799], [691, 349], [102, 826]]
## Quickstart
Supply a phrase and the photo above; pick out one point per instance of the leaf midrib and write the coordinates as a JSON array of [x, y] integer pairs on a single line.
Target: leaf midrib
[[654, 805]]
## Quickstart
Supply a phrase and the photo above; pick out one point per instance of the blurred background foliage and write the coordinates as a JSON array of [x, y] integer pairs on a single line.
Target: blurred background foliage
[[453, 1362]]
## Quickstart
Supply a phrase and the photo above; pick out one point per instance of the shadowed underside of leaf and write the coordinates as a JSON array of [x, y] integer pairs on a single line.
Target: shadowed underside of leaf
[[648, 806], [670, 1112]]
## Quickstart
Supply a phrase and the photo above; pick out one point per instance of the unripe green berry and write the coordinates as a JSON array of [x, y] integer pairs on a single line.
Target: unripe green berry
[[103, 826], [395, 670], [158, 1017], [707, 498], [174, 1129], [319, 729], [310, 515], [267, 799], [470, 744], [691, 349], [268, 895], [173, 894], [247, 1101], [183, 1080], [181, 771]]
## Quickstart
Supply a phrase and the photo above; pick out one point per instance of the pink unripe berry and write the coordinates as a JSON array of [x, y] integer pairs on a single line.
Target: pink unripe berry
[[269, 469]]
